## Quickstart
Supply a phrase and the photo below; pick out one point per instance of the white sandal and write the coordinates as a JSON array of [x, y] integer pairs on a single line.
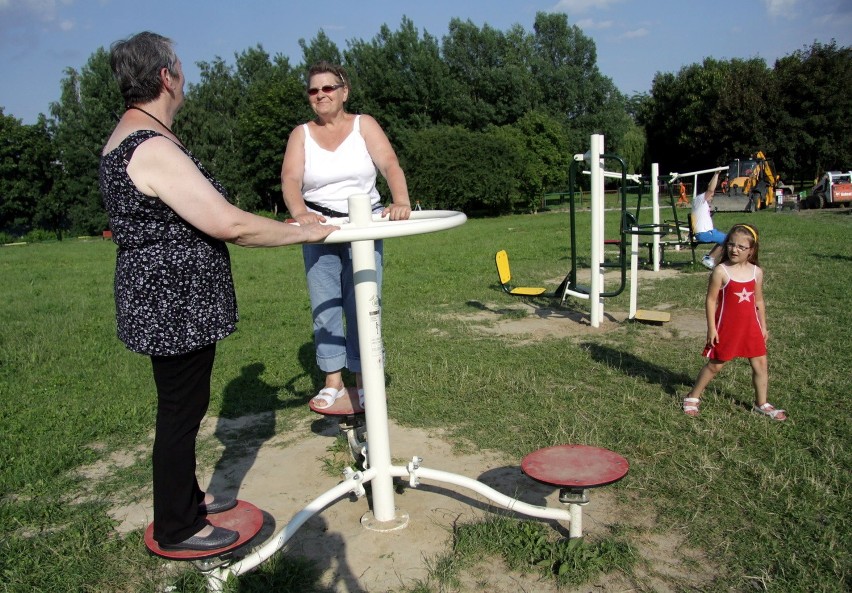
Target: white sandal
[[768, 409], [690, 404], [327, 396]]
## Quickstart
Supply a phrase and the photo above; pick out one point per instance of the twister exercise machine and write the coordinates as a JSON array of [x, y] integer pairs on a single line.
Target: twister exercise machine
[[574, 468]]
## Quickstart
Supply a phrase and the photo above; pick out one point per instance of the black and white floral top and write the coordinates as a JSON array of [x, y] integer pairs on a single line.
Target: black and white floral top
[[173, 287]]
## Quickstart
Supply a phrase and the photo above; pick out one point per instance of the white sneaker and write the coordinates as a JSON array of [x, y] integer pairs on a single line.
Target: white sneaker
[[708, 262]]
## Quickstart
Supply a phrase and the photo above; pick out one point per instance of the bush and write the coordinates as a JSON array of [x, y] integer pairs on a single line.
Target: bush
[[455, 169], [36, 235]]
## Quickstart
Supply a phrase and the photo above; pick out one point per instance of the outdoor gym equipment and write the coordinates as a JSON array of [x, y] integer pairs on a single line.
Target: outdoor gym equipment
[[595, 158], [504, 273], [628, 226], [245, 518], [362, 230], [350, 419], [575, 469]]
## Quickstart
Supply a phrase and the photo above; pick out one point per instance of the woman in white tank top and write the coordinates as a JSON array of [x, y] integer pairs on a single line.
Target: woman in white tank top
[[327, 160]]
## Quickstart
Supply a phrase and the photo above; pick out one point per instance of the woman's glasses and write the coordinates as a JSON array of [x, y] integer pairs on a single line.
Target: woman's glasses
[[327, 89]]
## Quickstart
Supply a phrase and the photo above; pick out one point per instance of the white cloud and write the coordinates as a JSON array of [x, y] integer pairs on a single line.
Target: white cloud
[[40, 10], [635, 33], [22, 22], [781, 8], [593, 24], [575, 6]]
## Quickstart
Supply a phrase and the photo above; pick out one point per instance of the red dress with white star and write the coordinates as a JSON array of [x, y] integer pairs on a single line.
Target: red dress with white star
[[737, 323]]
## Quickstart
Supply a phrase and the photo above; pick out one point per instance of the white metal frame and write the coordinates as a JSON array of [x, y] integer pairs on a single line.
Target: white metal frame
[[362, 229]]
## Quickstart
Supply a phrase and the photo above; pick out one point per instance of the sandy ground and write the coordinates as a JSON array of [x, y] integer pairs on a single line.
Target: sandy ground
[[284, 472]]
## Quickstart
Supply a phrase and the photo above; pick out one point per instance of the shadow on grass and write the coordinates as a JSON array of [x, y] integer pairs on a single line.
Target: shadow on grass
[[308, 362], [673, 384], [633, 366], [303, 572], [833, 257]]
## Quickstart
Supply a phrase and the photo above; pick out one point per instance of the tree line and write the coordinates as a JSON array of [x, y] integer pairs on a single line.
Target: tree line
[[483, 120]]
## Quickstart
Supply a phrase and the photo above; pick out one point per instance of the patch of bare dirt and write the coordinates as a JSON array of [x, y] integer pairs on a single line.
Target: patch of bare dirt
[[528, 321], [282, 472]]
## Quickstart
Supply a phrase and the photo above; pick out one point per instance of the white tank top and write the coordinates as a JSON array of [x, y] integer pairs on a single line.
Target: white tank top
[[332, 176]]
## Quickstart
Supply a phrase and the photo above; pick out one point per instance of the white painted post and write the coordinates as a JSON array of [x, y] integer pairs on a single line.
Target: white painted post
[[369, 318], [596, 288], [634, 272], [575, 528], [655, 204]]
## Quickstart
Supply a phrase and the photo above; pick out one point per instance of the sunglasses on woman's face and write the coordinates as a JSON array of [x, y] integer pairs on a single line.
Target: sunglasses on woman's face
[[327, 89]]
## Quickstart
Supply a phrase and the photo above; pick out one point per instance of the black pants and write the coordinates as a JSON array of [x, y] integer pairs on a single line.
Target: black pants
[[183, 394]]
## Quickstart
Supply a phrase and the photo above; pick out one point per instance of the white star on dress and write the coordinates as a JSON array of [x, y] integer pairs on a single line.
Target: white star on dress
[[744, 295]]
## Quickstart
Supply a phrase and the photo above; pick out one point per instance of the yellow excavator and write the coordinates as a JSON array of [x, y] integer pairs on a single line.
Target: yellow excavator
[[755, 180]]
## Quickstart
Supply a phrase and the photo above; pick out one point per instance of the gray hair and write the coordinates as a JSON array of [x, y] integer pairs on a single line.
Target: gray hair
[[136, 63]]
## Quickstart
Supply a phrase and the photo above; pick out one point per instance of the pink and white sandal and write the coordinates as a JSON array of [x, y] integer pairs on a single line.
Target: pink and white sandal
[[768, 409], [690, 406]]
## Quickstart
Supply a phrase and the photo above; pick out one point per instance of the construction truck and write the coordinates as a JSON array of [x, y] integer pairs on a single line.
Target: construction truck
[[834, 188], [751, 185]]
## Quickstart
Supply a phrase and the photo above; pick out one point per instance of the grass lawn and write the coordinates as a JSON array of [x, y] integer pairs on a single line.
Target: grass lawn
[[767, 503]]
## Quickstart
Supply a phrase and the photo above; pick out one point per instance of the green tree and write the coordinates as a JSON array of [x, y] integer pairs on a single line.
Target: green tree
[[814, 110], [632, 148], [542, 145], [26, 172], [492, 72], [636, 105], [399, 79], [207, 122], [710, 113], [319, 49], [273, 103], [743, 118], [450, 167], [565, 69], [89, 106]]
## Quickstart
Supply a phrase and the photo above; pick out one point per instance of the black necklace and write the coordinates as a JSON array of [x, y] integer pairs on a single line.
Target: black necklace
[[155, 119]]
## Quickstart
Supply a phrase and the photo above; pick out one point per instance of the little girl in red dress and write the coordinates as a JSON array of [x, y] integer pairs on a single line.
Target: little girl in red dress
[[736, 320]]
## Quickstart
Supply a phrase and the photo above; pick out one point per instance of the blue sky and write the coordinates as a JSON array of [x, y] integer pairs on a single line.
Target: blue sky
[[39, 39]]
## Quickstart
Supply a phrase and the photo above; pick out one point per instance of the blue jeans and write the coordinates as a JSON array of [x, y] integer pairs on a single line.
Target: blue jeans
[[332, 290], [712, 236]]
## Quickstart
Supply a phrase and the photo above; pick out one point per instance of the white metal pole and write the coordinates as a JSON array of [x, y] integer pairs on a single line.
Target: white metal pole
[[575, 528], [601, 236], [655, 205], [369, 317], [634, 272], [596, 314]]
